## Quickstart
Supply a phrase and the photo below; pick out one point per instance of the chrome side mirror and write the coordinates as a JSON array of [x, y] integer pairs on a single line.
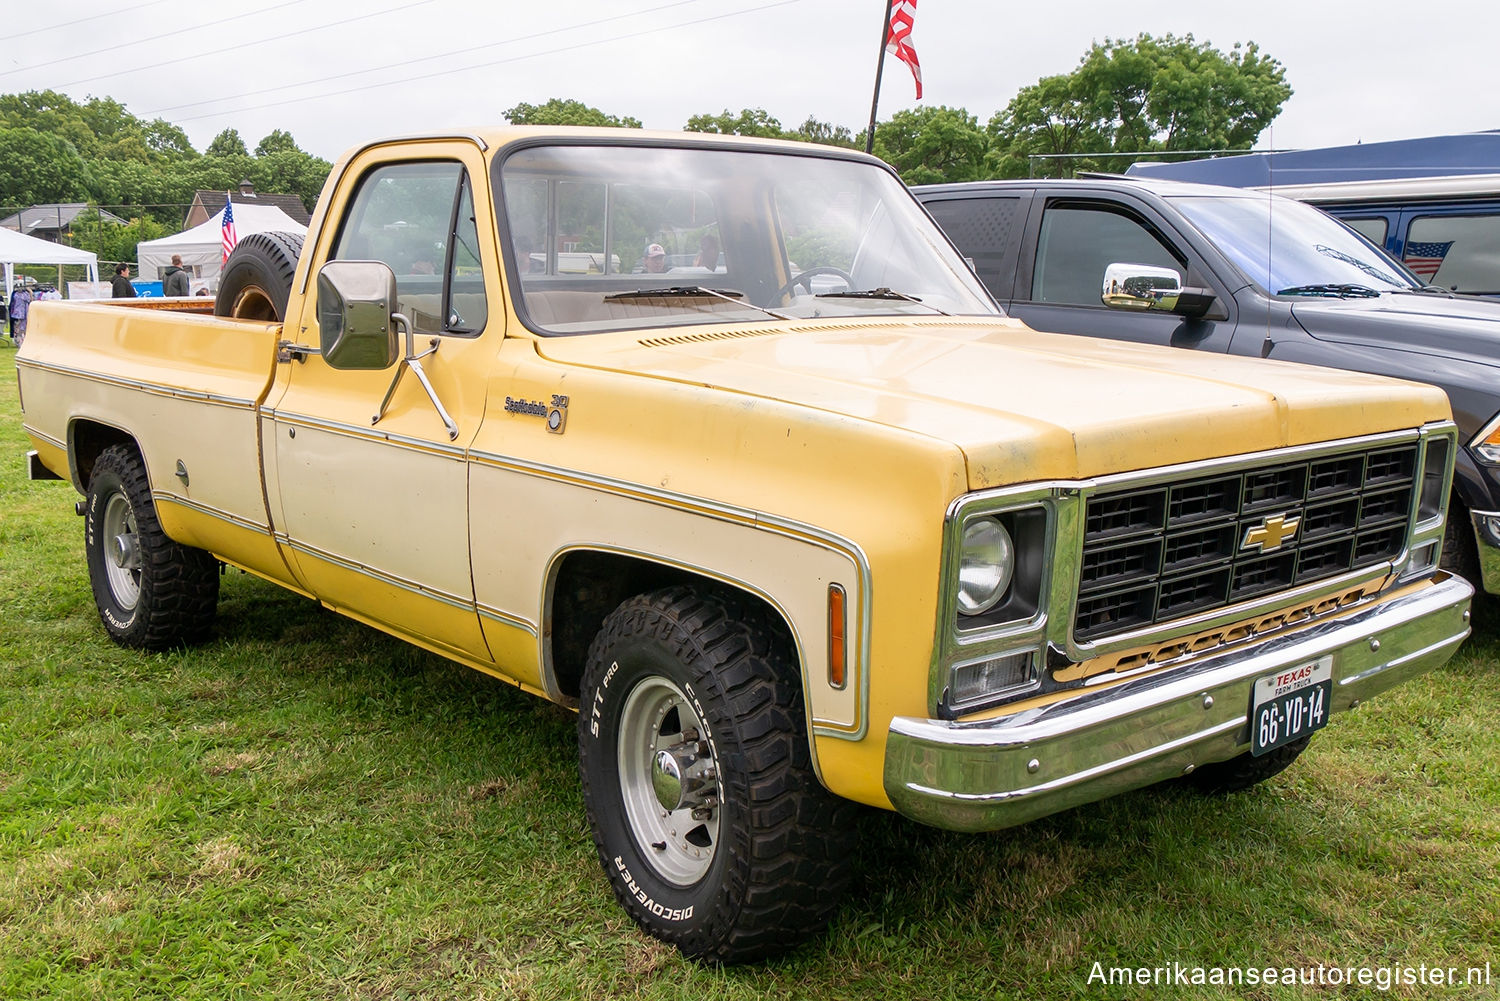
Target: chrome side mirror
[[1144, 287], [1141, 286], [356, 303]]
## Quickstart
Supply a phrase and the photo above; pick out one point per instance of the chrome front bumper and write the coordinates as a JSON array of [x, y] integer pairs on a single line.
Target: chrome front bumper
[[1001, 772], [1487, 542]]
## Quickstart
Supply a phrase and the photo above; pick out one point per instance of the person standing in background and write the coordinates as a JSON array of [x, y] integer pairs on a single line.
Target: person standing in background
[[120, 285], [176, 278]]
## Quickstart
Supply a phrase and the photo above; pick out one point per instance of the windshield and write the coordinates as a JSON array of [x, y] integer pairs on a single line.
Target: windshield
[[1281, 244], [618, 237]]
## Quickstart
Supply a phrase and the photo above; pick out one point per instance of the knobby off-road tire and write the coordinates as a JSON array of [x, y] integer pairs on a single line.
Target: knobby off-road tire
[[257, 278], [152, 593], [1460, 550], [1246, 770], [756, 857]]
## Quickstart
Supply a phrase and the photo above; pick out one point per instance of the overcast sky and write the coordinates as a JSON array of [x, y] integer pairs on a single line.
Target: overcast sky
[[1370, 71]]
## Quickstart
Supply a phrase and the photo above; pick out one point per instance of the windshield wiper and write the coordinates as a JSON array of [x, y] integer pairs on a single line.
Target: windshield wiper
[[1344, 291], [880, 293], [694, 292]]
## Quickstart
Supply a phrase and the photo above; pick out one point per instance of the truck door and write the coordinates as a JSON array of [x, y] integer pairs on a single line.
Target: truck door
[[374, 514], [1068, 246]]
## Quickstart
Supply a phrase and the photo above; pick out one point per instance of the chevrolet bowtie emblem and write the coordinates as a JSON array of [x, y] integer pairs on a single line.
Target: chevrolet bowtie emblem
[[1271, 533]]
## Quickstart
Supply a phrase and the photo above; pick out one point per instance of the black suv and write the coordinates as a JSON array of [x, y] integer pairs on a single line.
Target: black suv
[[1225, 269]]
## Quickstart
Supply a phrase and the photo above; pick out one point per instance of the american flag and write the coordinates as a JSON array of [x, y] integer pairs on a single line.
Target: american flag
[[1426, 258], [898, 38], [227, 236]]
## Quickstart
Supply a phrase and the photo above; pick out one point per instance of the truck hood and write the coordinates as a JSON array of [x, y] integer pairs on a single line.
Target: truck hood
[[1465, 330], [1021, 405]]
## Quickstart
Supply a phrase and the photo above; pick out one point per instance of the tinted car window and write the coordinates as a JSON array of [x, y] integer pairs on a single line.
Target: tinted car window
[[981, 228], [1077, 244], [1373, 230], [1461, 252]]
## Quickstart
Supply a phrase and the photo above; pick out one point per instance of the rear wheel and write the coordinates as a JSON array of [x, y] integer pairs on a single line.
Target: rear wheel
[[257, 278], [710, 824], [151, 592]]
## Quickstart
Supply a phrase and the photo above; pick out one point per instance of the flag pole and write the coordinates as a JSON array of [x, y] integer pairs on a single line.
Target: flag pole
[[885, 30]]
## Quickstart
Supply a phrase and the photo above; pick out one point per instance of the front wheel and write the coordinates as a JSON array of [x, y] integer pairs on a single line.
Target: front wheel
[[710, 824], [1242, 772], [151, 592]]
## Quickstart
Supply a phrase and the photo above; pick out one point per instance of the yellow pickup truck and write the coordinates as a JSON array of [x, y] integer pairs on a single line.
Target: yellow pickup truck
[[721, 443]]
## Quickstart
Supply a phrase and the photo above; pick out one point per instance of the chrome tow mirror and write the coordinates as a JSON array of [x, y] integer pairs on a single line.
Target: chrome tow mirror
[[358, 326], [356, 309]]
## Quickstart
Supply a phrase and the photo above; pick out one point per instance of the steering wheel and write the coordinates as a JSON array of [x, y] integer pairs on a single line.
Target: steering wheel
[[802, 279]]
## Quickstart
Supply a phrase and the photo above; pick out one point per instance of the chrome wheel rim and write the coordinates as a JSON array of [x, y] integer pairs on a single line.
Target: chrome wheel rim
[[669, 781], [122, 552]]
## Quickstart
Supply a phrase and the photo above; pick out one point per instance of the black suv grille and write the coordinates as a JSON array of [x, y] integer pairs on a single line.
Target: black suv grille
[[1154, 554]]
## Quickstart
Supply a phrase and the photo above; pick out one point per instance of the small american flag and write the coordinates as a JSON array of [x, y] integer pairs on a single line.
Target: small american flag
[[227, 236], [1425, 258], [898, 38]]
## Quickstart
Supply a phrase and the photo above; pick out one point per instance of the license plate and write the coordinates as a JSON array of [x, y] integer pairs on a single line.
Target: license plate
[[1290, 704]]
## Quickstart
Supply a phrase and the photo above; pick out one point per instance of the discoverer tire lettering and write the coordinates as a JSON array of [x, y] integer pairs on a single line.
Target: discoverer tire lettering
[[754, 857]]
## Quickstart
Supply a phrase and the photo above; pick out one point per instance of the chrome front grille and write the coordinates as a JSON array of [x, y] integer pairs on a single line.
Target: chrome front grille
[[1163, 552]]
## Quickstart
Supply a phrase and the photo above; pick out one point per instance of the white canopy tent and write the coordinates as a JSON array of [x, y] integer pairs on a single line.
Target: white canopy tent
[[17, 248], [202, 246]]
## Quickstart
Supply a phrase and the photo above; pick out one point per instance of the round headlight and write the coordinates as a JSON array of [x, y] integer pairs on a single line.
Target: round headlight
[[985, 564]]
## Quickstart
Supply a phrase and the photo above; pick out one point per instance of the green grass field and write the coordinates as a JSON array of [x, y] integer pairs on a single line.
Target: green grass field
[[305, 808]]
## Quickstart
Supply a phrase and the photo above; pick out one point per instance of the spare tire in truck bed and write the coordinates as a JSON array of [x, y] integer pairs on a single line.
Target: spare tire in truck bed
[[257, 277]]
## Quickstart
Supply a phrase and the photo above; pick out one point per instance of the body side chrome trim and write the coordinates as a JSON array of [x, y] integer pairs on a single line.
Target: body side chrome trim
[[364, 433], [457, 601], [36, 432], [735, 515], [157, 389], [158, 496], [507, 619]]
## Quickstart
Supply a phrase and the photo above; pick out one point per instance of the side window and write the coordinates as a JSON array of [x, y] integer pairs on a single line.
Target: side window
[[419, 219], [981, 228], [468, 306], [1373, 229], [1076, 245], [1460, 252]]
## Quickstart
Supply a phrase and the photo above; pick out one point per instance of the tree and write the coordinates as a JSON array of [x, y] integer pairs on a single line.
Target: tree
[[39, 167], [1145, 95], [932, 145], [749, 122], [814, 131], [291, 172], [228, 143], [279, 141], [558, 111]]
